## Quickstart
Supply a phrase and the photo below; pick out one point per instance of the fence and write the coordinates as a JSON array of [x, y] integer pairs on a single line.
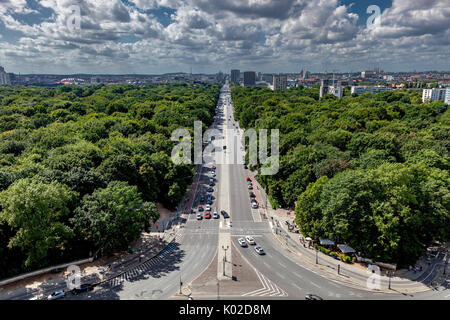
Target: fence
[[42, 271]]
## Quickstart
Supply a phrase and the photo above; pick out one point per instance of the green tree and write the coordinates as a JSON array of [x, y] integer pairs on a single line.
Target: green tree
[[112, 217], [38, 212]]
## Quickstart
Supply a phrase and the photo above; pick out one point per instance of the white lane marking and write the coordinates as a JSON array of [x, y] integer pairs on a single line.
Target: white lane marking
[[297, 275], [298, 287], [316, 285], [284, 266], [280, 275]]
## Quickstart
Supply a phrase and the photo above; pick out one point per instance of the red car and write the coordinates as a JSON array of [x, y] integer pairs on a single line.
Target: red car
[[248, 179], [200, 208], [213, 167], [207, 215]]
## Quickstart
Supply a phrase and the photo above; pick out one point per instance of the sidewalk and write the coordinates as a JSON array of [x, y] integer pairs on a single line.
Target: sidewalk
[[354, 274], [146, 247]]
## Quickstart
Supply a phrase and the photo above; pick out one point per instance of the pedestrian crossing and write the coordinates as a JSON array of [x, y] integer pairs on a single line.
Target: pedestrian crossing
[[141, 269], [269, 288]]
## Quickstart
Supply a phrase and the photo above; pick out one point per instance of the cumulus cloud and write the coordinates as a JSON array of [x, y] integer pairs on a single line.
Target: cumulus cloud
[[213, 34]]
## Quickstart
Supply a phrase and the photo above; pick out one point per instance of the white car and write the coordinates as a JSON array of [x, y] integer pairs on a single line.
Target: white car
[[242, 242], [254, 205], [208, 207], [199, 216], [250, 240], [57, 295], [259, 250], [215, 215]]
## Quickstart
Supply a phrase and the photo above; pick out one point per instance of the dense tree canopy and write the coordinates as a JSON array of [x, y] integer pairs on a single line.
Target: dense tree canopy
[[371, 171], [72, 156]]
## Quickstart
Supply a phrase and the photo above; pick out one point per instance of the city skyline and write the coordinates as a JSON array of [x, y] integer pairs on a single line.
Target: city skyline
[[165, 36]]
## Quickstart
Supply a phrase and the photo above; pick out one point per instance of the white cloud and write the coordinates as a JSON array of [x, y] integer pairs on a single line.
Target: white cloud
[[216, 34]]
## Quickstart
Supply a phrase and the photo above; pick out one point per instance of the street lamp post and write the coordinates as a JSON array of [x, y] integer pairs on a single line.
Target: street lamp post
[[181, 283], [390, 276], [218, 297], [225, 257], [317, 256]]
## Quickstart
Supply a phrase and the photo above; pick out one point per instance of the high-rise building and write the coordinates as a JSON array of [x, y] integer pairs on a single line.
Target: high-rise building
[[235, 76], [447, 96], [324, 87], [430, 95], [4, 77], [279, 82], [249, 78], [268, 77]]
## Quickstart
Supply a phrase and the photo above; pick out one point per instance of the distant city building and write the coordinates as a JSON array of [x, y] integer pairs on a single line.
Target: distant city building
[[220, 76], [324, 87], [259, 76], [430, 95], [249, 78], [279, 82], [235, 76], [4, 77], [363, 74], [447, 96], [373, 89], [267, 77], [337, 91]]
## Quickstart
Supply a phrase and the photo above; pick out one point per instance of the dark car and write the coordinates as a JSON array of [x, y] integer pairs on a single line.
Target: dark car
[[210, 189], [56, 270], [202, 199], [225, 214], [83, 288], [252, 195], [312, 297], [209, 201], [245, 166]]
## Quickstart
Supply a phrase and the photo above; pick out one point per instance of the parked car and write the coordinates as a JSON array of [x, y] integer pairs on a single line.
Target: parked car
[[252, 195], [199, 216], [248, 179], [250, 187], [56, 270], [207, 215], [213, 167], [208, 207], [209, 201], [242, 242], [245, 166], [250, 240], [200, 208], [254, 205], [202, 199], [57, 295], [210, 189], [83, 288], [310, 296], [259, 250], [216, 215]]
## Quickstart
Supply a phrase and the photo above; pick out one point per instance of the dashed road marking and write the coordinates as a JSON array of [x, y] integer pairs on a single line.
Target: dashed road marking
[[316, 285]]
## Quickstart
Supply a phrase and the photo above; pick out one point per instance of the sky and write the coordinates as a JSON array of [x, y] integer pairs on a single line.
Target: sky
[[161, 36]]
